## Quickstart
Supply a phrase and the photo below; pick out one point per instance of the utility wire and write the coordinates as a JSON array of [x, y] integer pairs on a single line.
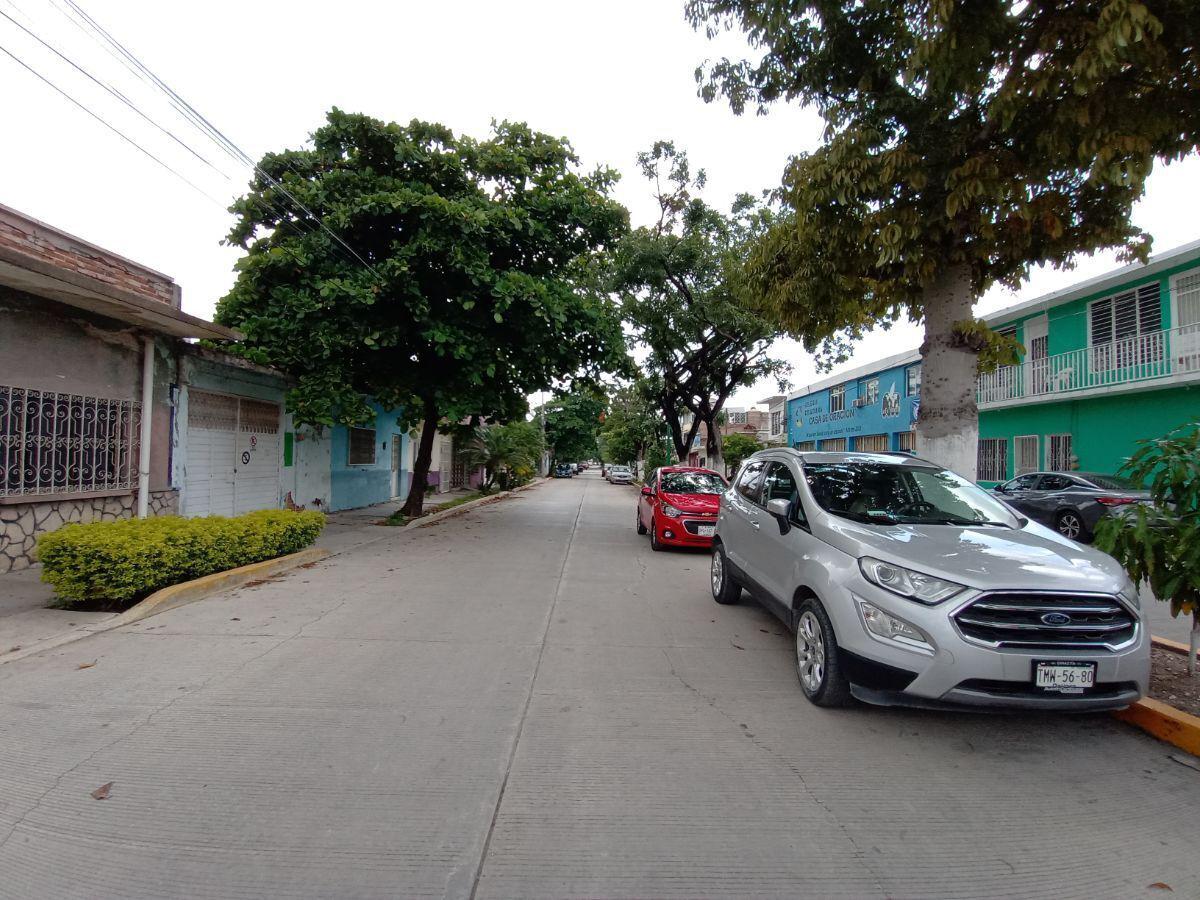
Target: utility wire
[[114, 92], [105, 123], [215, 134]]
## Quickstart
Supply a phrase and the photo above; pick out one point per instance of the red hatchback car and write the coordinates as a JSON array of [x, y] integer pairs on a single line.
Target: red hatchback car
[[679, 506]]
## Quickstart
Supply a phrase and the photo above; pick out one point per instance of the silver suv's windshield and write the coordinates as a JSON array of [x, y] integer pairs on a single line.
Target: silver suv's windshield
[[885, 494]]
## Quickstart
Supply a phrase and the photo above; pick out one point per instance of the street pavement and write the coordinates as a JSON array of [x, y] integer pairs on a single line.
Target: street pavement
[[526, 701]]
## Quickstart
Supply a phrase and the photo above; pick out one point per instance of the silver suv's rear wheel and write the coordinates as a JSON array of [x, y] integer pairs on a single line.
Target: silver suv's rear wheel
[[818, 665]]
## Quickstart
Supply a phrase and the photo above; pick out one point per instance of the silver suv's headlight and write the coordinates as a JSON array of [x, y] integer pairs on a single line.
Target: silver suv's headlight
[[1130, 593], [907, 583]]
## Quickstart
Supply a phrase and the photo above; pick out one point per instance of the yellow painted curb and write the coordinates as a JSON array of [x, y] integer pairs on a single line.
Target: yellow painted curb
[[1165, 722], [199, 588]]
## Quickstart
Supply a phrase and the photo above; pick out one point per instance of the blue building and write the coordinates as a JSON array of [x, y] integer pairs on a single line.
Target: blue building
[[871, 408], [366, 465]]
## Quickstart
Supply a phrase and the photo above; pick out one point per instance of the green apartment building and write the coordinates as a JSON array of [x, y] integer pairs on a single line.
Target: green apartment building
[[1107, 363]]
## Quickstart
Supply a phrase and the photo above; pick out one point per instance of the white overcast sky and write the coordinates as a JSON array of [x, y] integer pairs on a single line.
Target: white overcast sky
[[611, 76]]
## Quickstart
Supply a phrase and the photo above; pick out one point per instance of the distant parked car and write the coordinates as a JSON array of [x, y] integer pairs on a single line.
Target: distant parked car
[[562, 470], [1071, 502], [678, 506], [907, 584], [620, 475]]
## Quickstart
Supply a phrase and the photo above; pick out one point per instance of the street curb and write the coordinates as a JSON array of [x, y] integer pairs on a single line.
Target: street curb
[[1168, 644], [434, 518], [1164, 722], [207, 585], [176, 595]]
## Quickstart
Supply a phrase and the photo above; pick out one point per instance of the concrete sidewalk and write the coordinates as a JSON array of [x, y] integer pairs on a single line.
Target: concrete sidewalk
[[25, 618], [28, 618]]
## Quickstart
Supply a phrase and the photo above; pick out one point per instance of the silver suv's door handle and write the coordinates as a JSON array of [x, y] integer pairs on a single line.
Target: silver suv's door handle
[[754, 522]]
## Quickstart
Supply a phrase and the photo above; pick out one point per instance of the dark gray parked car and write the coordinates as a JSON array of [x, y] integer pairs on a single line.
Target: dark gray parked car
[[1071, 502]]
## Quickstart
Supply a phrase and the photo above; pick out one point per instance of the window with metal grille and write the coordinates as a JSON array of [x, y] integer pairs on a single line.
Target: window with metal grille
[[1058, 452], [912, 381], [776, 422], [803, 446], [907, 440], [1126, 329], [1026, 446], [870, 393], [737, 418], [872, 443], [362, 446], [993, 459], [835, 445], [837, 398], [53, 443]]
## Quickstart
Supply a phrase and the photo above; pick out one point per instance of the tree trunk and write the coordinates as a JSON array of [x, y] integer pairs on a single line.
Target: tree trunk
[[948, 424], [1193, 643], [714, 445], [682, 445], [414, 504]]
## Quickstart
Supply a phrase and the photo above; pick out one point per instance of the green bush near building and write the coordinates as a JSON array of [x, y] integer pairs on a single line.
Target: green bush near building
[[119, 562]]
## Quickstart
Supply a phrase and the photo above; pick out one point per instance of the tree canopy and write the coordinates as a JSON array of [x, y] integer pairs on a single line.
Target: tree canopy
[[573, 422], [634, 428], [964, 143], [738, 447], [440, 274], [677, 281]]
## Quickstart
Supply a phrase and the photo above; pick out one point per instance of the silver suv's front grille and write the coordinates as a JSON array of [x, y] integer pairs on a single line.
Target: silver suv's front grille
[[1032, 620]]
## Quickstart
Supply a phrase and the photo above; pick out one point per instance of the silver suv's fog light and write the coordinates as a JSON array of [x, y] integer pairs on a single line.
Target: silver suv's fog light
[[890, 628]]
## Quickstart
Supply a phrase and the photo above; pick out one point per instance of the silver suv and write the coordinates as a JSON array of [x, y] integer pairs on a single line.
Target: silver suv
[[905, 583]]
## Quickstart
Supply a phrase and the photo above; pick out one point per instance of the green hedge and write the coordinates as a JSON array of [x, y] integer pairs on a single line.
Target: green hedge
[[128, 559]]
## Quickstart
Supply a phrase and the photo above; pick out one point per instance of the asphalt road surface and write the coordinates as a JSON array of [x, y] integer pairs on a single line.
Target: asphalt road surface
[[525, 701]]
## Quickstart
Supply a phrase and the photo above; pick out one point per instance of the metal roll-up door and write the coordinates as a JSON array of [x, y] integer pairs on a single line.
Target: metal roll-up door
[[232, 456]]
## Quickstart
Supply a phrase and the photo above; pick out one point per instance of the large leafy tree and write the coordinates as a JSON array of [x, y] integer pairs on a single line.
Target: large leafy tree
[[573, 420], [432, 271], [634, 428], [965, 141], [678, 284]]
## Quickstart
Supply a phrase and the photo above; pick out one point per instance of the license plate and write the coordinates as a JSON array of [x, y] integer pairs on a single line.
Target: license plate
[[1064, 677], [706, 530]]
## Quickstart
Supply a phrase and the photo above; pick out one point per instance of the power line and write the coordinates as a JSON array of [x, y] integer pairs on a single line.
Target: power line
[[214, 134], [114, 92], [105, 123]]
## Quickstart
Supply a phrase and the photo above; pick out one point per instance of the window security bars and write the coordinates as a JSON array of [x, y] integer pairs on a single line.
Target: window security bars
[[54, 443]]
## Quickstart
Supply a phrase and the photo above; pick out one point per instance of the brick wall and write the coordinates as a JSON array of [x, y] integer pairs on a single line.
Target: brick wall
[[33, 238]]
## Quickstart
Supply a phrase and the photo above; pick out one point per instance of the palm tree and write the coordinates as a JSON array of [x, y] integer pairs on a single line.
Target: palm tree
[[503, 449]]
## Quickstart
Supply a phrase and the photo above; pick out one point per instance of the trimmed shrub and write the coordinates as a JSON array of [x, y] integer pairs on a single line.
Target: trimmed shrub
[[128, 559]]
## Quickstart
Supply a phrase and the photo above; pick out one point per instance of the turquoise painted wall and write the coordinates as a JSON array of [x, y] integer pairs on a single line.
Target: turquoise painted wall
[[1104, 430], [1067, 325], [355, 486]]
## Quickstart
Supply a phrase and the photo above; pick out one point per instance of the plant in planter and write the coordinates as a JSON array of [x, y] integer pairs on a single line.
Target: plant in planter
[[1160, 543]]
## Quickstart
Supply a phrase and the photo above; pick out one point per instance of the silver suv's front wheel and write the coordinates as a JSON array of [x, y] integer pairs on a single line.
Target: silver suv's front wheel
[[724, 589], [818, 663]]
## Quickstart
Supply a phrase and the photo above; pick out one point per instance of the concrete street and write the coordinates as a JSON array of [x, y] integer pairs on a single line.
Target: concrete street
[[525, 701]]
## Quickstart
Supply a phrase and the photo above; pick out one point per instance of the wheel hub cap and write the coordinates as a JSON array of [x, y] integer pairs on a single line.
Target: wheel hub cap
[[810, 652]]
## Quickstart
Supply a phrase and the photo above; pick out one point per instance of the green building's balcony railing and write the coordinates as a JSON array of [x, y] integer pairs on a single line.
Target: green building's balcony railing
[[1143, 357]]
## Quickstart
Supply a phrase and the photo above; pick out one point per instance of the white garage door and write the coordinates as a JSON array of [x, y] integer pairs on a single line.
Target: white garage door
[[233, 455]]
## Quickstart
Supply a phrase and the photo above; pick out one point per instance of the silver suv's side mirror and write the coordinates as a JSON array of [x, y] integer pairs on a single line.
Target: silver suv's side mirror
[[781, 509]]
